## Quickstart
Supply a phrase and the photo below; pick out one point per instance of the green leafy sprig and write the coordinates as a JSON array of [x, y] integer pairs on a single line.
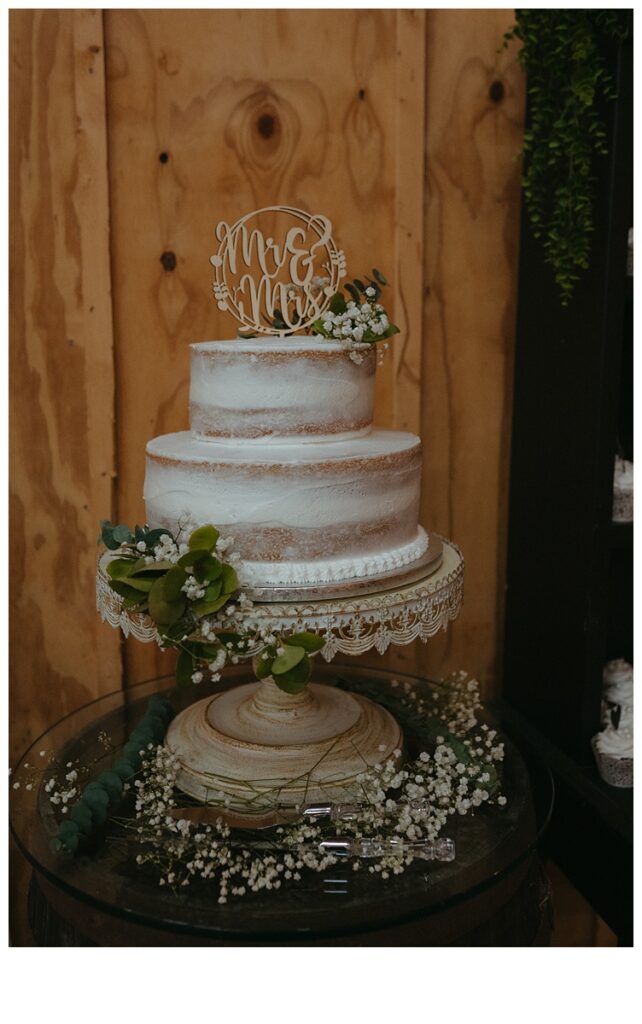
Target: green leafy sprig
[[568, 82], [157, 588]]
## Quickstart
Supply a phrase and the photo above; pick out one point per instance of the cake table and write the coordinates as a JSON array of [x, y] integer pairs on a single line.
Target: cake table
[[492, 894]]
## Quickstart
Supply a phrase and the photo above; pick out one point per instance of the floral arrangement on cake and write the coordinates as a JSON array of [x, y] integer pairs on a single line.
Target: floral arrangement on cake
[[360, 319], [356, 319], [190, 590]]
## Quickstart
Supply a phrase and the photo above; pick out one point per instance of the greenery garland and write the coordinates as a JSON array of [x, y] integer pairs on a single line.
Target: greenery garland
[[562, 53], [91, 810]]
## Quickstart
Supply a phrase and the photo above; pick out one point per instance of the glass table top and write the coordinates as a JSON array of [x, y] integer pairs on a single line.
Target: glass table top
[[491, 843]]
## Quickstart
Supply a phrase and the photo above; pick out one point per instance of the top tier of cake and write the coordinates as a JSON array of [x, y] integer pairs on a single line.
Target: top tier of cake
[[293, 389]]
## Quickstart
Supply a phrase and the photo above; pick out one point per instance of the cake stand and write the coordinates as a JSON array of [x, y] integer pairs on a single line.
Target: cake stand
[[255, 747]]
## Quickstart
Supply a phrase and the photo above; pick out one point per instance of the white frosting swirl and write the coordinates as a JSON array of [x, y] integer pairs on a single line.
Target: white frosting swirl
[[615, 742], [623, 475], [617, 680]]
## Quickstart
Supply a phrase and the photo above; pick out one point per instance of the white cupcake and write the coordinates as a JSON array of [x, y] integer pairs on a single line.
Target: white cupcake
[[613, 747], [622, 491], [613, 750]]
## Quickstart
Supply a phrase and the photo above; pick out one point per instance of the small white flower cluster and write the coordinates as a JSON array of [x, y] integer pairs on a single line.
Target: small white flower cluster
[[359, 320], [455, 702], [193, 588], [167, 550], [60, 794], [319, 282], [184, 851]]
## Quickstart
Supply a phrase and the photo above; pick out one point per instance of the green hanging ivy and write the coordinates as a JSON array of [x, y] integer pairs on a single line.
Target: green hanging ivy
[[562, 54]]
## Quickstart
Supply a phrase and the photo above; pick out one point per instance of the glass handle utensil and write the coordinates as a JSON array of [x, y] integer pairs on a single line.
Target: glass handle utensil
[[349, 812], [422, 849]]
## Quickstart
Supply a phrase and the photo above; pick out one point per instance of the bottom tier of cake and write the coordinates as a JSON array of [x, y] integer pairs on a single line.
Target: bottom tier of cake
[[299, 514]]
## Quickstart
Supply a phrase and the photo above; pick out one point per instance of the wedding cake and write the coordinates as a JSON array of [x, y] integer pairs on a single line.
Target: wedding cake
[[282, 525], [283, 456]]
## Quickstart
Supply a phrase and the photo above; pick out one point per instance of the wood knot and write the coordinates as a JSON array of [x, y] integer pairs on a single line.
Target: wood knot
[[266, 125], [168, 259], [362, 94], [163, 157], [496, 91]]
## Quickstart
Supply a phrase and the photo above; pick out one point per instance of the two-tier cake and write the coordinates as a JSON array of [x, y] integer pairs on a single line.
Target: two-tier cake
[[282, 455]]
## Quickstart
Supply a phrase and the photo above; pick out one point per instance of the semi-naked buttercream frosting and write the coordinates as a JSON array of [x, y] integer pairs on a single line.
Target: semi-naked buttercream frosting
[[282, 456], [287, 389]]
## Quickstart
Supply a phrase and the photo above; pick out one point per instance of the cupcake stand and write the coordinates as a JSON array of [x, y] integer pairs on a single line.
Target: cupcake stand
[[256, 746]]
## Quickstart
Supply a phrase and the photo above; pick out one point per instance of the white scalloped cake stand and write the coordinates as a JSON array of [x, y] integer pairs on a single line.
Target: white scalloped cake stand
[[255, 746]]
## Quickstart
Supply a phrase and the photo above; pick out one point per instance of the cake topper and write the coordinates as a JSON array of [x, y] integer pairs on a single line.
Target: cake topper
[[276, 269]]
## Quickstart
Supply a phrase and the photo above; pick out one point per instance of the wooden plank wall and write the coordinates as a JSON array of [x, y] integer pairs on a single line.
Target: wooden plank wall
[[62, 454], [402, 127]]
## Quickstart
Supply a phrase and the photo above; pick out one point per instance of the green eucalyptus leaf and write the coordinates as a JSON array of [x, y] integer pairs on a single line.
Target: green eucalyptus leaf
[[204, 538], [81, 815], [176, 631], [123, 589], [205, 651], [124, 769], [229, 580], [203, 608], [389, 331], [162, 611], [296, 678], [184, 669], [262, 666], [172, 583], [284, 662], [337, 303], [213, 591], [318, 328], [153, 537], [138, 583], [353, 292], [192, 558], [107, 535], [153, 568], [208, 569], [112, 783], [378, 276], [310, 642], [122, 534], [120, 568]]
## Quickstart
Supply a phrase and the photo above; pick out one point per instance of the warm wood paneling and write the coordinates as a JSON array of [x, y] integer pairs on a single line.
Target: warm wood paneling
[[402, 126], [61, 371], [474, 124]]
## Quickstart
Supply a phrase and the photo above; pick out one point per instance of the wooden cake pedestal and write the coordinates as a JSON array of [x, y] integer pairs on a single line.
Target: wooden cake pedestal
[[255, 746], [259, 746]]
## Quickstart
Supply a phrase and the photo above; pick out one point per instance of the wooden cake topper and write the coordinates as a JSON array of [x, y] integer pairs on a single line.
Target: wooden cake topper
[[276, 269]]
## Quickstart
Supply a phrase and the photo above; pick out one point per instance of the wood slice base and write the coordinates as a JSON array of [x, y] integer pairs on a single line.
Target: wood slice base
[[257, 744]]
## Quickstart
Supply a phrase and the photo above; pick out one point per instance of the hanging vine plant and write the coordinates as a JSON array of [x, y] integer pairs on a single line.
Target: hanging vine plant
[[568, 82]]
